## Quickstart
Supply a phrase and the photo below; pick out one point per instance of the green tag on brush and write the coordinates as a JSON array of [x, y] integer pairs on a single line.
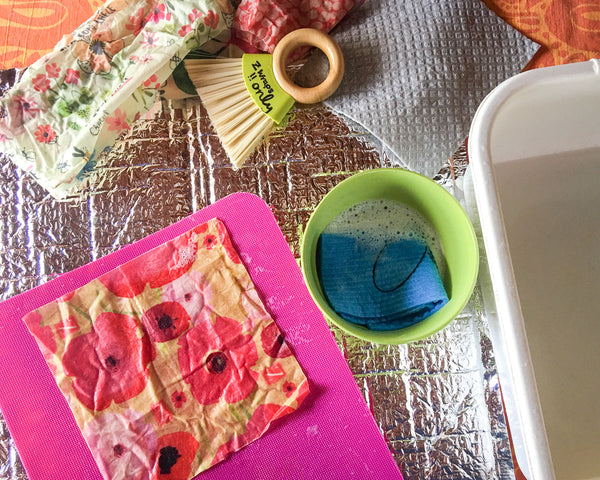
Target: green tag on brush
[[263, 87], [245, 97]]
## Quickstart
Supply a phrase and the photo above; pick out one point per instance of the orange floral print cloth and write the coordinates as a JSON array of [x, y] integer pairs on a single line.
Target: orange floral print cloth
[[170, 362], [567, 30], [30, 28]]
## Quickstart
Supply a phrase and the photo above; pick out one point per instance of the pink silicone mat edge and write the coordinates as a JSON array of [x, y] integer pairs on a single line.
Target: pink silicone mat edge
[[331, 436]]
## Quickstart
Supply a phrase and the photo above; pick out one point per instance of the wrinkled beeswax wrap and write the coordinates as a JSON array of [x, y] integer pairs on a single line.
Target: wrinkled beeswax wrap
[[169, 362], [416, 72]]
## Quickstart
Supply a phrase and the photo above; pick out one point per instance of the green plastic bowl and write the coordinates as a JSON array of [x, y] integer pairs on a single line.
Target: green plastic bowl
[[434, 203]]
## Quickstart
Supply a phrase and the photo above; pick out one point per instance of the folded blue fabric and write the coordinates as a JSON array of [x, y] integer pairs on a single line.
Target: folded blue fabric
[[381, 286]]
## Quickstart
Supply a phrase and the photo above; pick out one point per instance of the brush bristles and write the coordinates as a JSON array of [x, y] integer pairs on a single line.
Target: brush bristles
[[238, 121]]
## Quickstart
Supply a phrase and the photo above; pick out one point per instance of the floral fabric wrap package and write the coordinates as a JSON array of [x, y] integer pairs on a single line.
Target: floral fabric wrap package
[[263, 23], [73, 103], [170, 362]]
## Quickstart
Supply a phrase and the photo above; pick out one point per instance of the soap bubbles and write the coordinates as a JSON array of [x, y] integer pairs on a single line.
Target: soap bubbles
[[379, 222]]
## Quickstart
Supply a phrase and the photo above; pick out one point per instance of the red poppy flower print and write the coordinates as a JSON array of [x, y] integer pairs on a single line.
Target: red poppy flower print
[[178, 398], [165, 321], [176, 453], [45, 134], [155, 268], [216, 360], [123, 445], [109, 363], [273, 342], [209, 242], [258, 424], [226, 241], [193, 292], [289, 388]]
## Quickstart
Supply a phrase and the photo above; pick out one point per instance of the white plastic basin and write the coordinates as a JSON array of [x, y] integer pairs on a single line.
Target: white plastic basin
[[534, 150]]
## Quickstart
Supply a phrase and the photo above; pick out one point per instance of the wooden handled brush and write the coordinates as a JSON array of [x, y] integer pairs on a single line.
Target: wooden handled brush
[[246, 97]]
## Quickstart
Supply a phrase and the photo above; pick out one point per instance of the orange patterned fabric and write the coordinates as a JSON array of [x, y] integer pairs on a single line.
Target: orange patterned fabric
[[567, 30], [31, 28]]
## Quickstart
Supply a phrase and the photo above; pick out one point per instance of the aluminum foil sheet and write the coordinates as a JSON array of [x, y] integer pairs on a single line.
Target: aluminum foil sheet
[[437, 402]]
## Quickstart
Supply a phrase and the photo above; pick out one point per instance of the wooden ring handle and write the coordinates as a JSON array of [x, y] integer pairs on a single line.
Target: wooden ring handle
[[313, 38]]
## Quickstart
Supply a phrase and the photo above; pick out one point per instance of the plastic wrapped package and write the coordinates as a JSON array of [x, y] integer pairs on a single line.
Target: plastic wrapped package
[[72, 104]]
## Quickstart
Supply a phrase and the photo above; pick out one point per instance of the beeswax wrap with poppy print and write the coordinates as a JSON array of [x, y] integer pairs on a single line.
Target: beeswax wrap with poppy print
[[170, 362], [73, 103]]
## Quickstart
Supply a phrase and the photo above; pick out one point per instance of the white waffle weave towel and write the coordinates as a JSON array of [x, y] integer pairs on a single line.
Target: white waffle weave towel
[[416, 71]]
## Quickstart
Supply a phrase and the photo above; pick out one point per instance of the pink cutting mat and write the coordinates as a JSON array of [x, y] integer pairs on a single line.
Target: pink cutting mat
[[331, 436]]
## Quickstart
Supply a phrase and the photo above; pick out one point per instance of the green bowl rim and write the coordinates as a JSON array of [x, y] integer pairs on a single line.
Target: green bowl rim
[[425, 328]]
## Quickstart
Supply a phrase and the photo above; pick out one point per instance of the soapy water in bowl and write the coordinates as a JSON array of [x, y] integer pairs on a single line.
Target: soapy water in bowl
[[381, 265], [377, 222]]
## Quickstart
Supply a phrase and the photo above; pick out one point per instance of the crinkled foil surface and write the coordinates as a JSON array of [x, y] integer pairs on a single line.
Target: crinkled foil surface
[[437, 402]]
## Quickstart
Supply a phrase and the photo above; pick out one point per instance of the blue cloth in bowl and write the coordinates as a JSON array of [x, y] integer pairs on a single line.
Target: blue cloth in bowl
[[381, 286]]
